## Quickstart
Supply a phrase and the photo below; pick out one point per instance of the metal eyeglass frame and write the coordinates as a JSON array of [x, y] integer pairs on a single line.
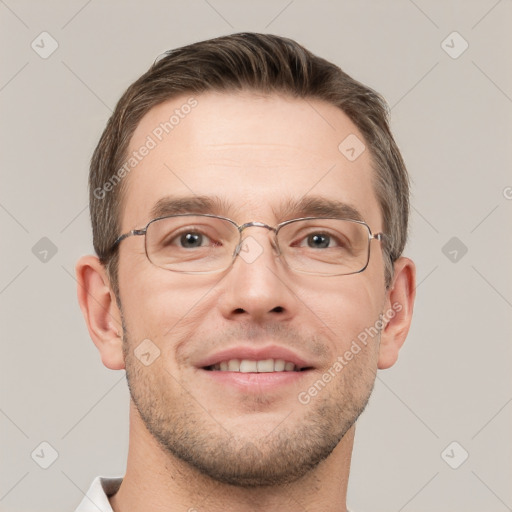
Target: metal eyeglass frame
[[138, 232]]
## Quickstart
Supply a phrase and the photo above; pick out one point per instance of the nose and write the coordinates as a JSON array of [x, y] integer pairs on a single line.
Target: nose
[[258, 285]]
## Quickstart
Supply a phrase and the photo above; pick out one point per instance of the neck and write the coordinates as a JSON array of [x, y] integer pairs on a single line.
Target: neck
[[155, 480]]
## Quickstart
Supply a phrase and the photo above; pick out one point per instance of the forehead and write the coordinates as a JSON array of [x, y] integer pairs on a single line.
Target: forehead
[[259, 156]]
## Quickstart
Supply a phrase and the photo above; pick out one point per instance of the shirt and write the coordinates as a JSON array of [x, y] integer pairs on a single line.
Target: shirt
[[96, 498]]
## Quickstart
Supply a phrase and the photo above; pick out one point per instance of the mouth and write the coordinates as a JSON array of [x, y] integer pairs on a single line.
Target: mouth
[[256, 366], [271, 369]]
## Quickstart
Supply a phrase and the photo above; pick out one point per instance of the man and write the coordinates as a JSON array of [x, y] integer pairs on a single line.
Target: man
[[249, 209]]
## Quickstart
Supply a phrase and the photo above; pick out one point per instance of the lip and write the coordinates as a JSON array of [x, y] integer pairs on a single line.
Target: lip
[[255, 354], [255, 382]]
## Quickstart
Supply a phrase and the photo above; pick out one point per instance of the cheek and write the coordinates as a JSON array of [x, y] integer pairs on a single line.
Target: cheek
[[159, 305], [345, 307]]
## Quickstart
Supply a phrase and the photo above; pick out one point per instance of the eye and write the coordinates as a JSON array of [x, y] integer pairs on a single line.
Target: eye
[[188, 239], [318, 240], [192, 239], [321, 240]]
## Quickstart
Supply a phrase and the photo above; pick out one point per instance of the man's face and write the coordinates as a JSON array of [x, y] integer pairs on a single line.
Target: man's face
[[256, 154]]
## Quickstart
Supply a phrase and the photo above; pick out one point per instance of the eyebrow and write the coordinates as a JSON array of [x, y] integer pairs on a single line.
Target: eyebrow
[[308, 206], [175, 205], [317, 206]]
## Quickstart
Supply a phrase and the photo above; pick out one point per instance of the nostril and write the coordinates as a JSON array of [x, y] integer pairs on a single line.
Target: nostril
[[278, 309]]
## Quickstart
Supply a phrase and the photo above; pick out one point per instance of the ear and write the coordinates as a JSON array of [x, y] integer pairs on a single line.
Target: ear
[[98, 304], [398, 312]]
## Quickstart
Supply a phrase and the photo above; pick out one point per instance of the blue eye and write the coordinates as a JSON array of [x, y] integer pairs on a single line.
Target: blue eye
[[191, 239], [318, 241]]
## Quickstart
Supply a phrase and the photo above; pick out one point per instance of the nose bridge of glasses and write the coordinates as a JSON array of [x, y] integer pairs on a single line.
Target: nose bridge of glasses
[[256, 224]]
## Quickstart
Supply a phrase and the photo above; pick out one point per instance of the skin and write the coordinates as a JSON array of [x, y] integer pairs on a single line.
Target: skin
[[200, 446]]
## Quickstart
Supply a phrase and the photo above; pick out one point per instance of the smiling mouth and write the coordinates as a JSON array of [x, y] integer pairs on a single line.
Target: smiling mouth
[[258, 366]]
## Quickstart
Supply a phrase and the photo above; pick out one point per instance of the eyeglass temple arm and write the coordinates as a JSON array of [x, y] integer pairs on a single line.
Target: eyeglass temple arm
[[133, 232], [383, 238]]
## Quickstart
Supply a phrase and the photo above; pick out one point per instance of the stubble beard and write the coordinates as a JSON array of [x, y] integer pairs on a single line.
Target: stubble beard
[[185, 430]]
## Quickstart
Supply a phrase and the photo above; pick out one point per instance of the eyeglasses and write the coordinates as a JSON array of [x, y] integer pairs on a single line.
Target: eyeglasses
[[204, 244]]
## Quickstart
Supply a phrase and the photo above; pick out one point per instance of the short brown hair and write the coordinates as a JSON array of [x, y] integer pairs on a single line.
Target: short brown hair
[[263, 63]]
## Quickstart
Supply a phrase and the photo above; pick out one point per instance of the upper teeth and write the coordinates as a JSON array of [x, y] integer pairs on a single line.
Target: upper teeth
[[248, 365]]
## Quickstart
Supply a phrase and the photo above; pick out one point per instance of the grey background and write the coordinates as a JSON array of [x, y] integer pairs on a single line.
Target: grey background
[[452, 119]]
